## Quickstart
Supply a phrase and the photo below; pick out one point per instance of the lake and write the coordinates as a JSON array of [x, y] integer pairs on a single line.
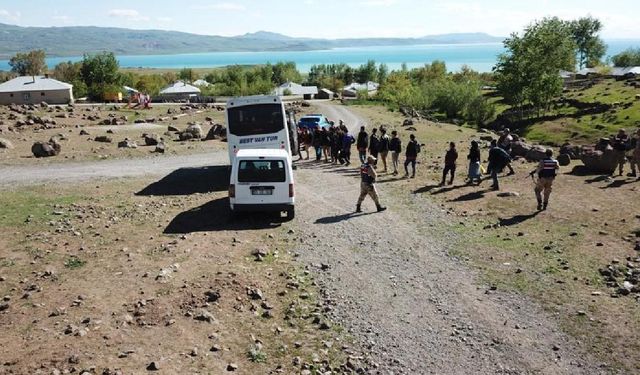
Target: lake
[[480, 57]]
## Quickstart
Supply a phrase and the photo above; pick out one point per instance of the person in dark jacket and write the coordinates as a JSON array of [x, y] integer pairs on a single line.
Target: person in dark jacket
[[361, 144], [374, 145], [395, 146], [498, 160], [411, 156], [326, 144], [474, 163], [384, 147], [620, 146], [317, 143], [347, 141], [450, 159]]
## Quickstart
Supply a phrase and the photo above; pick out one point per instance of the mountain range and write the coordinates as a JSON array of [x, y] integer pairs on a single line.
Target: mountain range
[[78, 40]]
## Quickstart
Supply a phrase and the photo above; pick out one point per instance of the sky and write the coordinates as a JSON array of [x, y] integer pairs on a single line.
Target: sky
[[322, 18]]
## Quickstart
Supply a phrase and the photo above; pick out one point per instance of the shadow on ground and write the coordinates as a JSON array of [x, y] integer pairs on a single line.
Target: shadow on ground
[[338, 218], [518, 219], [216, 216], [187, 181]]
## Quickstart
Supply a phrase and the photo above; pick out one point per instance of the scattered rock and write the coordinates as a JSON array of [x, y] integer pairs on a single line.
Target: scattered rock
[[153, 366], [151, 139], [4, 143], [45, 149], [103, 139], [127, 143], [204, 316], [564, 160], [232, 367], [160, 148]]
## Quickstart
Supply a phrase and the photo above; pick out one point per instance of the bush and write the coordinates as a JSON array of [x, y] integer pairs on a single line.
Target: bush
[[480, 111]]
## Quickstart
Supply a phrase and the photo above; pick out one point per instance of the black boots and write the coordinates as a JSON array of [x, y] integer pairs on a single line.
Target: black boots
[[358, 208], [542, 206], [380, 208]]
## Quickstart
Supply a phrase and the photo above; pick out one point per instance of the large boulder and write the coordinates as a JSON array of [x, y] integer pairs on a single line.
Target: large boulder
[[599, 161], [127, 143], [195, 130], [520, 148], [536, 153], [103, 139], [45, 149], [151, 139], [564, 159], [4, 143], [217, 131], [184, 136]]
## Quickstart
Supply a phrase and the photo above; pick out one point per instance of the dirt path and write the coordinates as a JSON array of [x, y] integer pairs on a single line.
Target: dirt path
[[118, 168], [392, 285]]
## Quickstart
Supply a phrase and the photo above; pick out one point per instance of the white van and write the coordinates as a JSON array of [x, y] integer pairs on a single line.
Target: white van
[[262, 180]]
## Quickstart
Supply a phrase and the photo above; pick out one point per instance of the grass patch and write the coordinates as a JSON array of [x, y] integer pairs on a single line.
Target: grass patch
[[18, 207], [74, 263], [256, 355]]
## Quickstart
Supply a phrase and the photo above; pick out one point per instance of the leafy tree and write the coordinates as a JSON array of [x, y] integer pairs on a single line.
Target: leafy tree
[[285, 72], [383, 73], [101, 75], [591, 48], [188, 75], [70, 72], [528, 71], [629, 57], [367, 72], [29, 64]]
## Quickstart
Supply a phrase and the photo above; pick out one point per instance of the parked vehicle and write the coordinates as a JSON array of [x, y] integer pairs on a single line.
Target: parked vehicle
[[262, 180], [313, 121], [259, 122]]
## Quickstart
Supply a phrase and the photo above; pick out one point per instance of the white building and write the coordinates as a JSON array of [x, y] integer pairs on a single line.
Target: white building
[[352, 90], [179, 90], [34, 90], [292, 88]]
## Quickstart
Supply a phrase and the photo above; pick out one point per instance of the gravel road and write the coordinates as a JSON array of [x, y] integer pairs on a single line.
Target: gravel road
[[414, 308]]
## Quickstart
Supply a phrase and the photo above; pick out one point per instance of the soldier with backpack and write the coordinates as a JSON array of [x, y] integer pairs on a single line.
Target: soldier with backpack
[[546, 172], [367, 184]]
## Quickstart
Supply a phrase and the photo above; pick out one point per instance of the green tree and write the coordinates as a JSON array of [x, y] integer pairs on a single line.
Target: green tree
[[367, 72], [528, 70], [70, 72], [188, 75], [629, 57], [383, 73], [100, 74], [29, 64], [591, 48]]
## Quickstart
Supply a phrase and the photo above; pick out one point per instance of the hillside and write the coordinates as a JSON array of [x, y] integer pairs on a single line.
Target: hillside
[[77, 40]]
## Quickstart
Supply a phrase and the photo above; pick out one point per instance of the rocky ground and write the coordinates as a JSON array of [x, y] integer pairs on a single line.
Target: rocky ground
[[146, 273]]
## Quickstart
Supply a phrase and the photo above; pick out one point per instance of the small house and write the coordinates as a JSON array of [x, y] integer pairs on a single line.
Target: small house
[[352, 90], [34, 90], [325, 94], [179, 91], [201, 83], [295, 89]]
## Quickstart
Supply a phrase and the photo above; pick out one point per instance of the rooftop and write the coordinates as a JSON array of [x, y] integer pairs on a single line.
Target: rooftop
[[180, 88], [33, 83]]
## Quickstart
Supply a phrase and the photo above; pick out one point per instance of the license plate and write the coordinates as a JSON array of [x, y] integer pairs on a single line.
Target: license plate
[[262, 191]]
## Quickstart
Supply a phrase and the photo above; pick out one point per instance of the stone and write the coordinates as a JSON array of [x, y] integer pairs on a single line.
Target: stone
[[160, 148], [520, 148], [564, 160], [4, 143], [153, 366], [255, 294], [195, 130], [172, 128], [507, 194], [232, 367], [536, 153], [204, 316], [45, 149], [84, 132], [127, 143], [599, 161], [151, 139], [103, 139], [217, 131], [212, 295]]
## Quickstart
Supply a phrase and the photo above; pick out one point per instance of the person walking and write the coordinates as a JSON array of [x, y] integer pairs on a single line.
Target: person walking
[[317, 143], [361, 144], [620, 144], [546, 172], [474, 163], [326, 144], [347, 141], [635, 154], [411, 156], [305, 142], [498, 159], [504, 142], [367, 184], [384, 148], [450, 159], [395, 146], [374, 145]]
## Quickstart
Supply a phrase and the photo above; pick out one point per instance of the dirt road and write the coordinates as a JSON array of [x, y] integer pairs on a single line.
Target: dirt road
[[389, 280], [418, 311]]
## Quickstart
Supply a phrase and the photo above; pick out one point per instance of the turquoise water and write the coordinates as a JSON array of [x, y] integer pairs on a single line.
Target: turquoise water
[[480, 57]]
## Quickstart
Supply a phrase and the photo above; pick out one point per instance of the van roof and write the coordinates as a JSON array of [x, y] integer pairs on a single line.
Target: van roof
[[262, 152]]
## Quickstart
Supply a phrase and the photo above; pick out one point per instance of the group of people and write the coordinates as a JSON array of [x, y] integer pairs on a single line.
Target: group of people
[[626, 147], [334, 144]]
